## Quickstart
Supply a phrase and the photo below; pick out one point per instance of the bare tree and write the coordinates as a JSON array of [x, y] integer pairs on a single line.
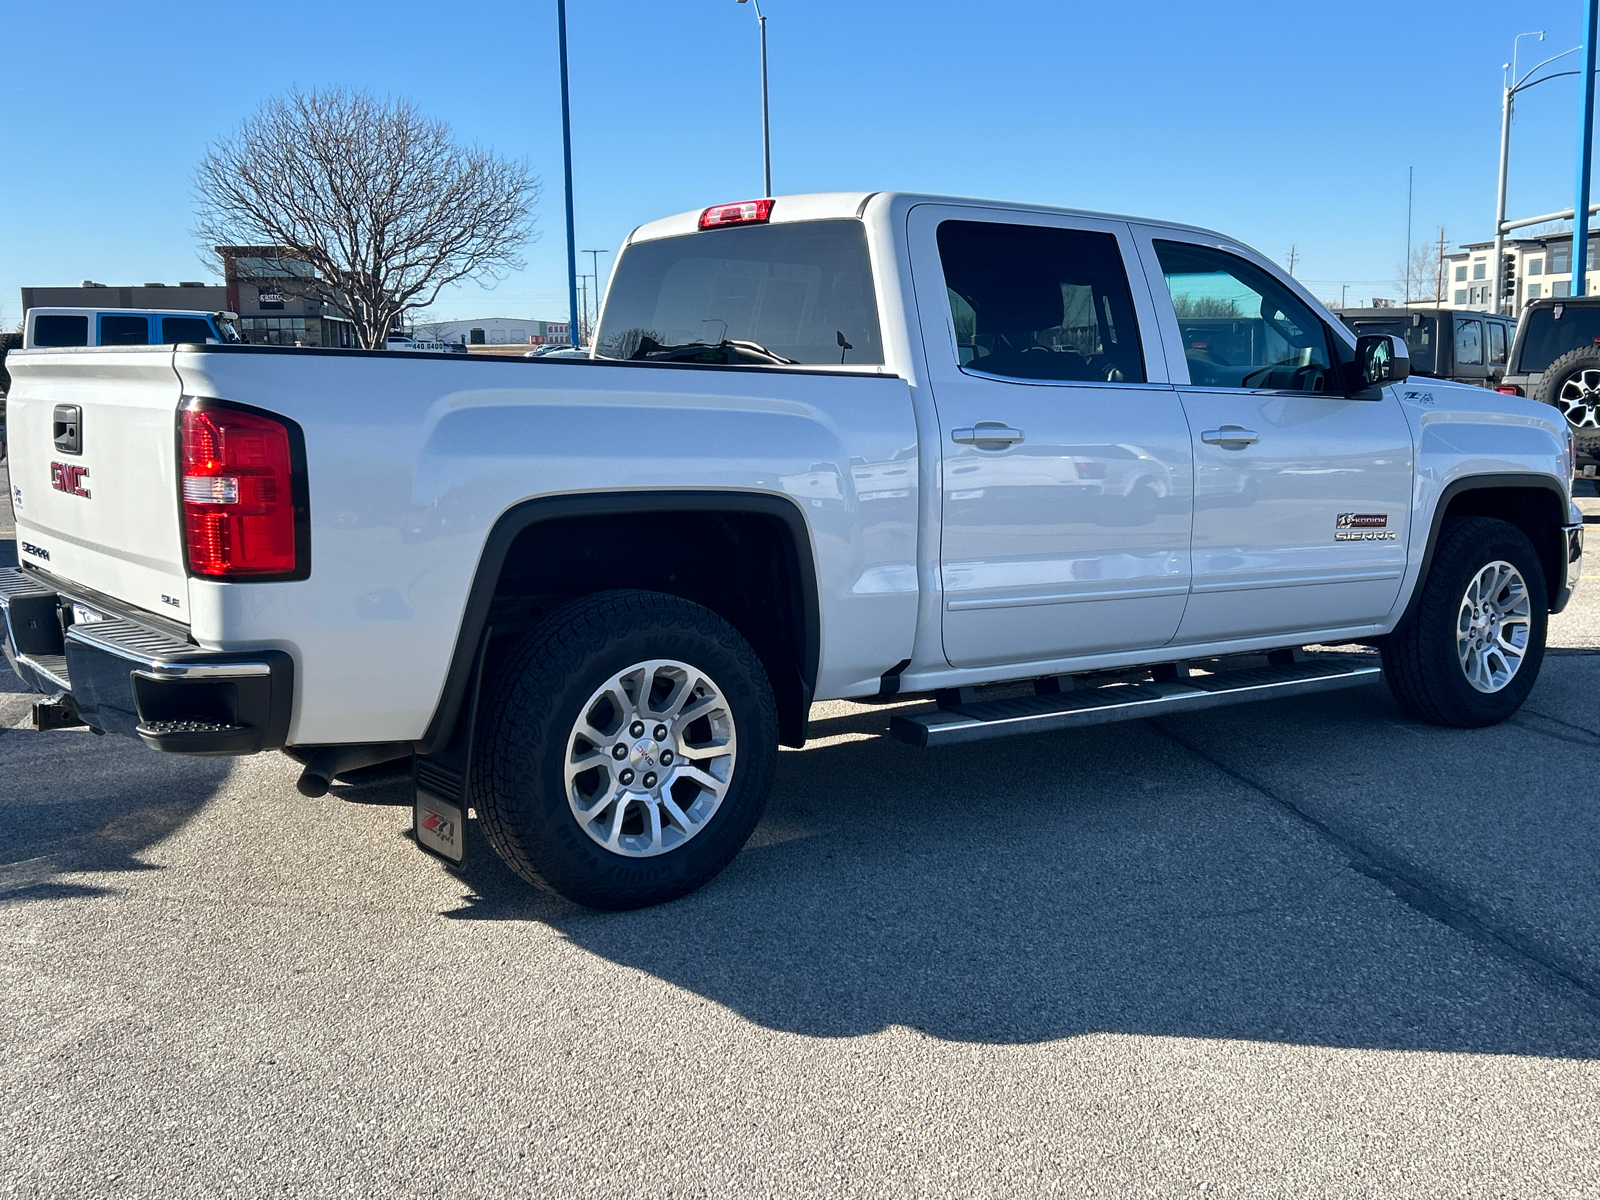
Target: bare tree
[[1426, 276], [380, 203]]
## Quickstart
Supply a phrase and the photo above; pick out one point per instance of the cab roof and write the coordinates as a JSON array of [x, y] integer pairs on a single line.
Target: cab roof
[[824, 206]]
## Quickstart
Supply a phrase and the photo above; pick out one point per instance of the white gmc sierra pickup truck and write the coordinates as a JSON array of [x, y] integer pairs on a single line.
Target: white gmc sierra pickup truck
[[1044, 468]]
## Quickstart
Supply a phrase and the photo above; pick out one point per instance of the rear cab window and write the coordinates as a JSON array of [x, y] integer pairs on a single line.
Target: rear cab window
[[798, 293]]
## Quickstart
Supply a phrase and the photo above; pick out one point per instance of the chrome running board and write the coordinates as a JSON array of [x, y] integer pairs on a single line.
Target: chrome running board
[[975, 720]]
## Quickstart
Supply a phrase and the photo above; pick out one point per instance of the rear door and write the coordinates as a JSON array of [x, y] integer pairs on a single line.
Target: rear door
[[1471, 350], [94, 476], [1302, 493], [1066, 464]]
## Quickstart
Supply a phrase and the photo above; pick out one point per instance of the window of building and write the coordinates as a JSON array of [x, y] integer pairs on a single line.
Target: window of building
[[1536, 266], [1034, 302], [124, 329], [1469, 343], [57, 329], [1560, 261], [1242, 328], [1479, 268], [1461, 273], [1561, 287], [249, 267], [1461, 295], [1533, 291], [1497, 342], [273, 331]]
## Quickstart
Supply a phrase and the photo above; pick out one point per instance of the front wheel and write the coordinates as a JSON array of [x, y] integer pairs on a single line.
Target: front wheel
[[1470, 653], [626, 751]]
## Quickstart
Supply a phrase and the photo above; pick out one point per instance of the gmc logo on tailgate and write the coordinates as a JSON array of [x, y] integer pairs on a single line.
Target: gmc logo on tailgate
[[69, 477]]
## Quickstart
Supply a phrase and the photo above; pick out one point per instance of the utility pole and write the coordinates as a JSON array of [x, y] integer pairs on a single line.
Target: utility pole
[[1580, 207], [1294, 257], [566, 160], [1344, 293], [1411, 175], [1440, 282]]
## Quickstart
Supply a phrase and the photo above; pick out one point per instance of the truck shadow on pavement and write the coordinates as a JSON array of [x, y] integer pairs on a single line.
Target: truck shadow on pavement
[[1136, 879], [73, 802]]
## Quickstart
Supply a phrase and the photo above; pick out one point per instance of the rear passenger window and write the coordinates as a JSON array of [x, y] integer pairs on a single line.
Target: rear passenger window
[[1497, 343], [1469, 344], [186, 329], [1033, 302], [60, 330], [119, 329]]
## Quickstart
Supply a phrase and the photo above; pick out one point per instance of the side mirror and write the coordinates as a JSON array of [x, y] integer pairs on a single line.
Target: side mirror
[[1380, 358]]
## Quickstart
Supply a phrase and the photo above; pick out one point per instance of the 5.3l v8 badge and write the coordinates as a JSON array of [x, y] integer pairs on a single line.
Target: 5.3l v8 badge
[[1362, 527]]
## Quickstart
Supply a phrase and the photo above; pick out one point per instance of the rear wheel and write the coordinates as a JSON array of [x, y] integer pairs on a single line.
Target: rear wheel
[[627, 749], [1470, 653]]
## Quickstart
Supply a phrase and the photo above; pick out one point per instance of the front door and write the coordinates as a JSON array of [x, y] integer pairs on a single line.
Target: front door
[[1302, 492], [1067, 473]]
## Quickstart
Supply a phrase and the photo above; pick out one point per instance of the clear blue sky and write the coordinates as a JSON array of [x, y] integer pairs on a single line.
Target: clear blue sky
[[1280, 123]]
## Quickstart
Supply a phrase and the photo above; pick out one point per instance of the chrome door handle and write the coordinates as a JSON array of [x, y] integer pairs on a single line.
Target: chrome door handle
[[1229, 437], [987, 435]]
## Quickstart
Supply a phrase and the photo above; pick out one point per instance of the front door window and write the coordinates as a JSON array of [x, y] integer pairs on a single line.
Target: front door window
[[1242, 328]]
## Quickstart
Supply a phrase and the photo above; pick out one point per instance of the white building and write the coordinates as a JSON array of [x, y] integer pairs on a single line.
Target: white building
[[1536, 269], [498, 331]]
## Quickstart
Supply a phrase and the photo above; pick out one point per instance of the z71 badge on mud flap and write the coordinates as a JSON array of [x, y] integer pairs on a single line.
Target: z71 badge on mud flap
[[438, 826], [1362, 527]]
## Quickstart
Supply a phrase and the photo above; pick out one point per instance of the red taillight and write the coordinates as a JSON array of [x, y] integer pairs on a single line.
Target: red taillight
[[1506, 389], [745, 212], [239, 495]]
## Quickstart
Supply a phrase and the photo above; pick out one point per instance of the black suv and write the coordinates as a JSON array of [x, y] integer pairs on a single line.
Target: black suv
[[1467, 347], [1556, 359]]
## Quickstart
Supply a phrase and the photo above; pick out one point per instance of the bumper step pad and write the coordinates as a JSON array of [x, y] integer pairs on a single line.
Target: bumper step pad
[[974, 721]]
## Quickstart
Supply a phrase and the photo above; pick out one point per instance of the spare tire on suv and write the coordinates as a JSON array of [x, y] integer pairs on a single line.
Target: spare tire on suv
[[1572, 385]]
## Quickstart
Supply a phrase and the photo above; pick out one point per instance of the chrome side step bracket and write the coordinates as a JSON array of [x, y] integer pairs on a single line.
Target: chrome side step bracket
[[974, 721]]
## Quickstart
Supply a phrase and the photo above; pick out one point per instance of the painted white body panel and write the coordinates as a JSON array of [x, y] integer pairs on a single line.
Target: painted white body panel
[[123, 539], [411, 461]]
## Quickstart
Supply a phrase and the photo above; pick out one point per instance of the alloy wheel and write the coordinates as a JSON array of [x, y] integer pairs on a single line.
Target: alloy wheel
[[1494, 626], [1579, 399], [650, 758]]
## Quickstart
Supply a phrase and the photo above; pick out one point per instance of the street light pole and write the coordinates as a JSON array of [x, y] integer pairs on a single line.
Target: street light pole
[[766, 134], [566, 159], [1498, 269], [1580, 206]]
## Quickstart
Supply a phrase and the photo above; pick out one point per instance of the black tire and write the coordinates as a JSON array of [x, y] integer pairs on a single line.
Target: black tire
[[536, 692], [1584, 422], [1420, 659]]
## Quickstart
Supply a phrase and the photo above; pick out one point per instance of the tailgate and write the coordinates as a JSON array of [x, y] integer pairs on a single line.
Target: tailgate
[[103, 511]]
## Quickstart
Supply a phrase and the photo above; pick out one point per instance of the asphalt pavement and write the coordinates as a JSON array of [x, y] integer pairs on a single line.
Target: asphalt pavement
[[1311, 949]]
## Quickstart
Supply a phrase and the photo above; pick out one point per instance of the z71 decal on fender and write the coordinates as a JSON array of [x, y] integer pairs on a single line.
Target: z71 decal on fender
[[1362, 527]]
